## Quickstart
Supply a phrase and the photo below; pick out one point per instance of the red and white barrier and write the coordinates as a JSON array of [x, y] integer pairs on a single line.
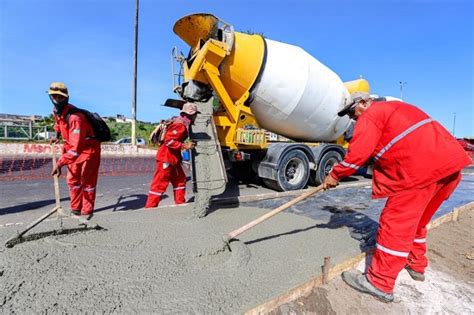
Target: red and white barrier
[[38, 149]]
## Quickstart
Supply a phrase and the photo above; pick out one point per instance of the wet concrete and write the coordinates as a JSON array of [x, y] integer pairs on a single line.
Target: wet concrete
[[160, 261]]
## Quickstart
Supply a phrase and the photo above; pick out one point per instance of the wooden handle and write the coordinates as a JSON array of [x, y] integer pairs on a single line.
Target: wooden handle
[[270, 214], [56, 181]]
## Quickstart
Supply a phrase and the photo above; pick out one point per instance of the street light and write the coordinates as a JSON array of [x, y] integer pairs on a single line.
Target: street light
[[134, 100], [454, 124], [402, 83]]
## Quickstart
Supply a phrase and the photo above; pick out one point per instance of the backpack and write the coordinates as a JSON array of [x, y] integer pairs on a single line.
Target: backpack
[[101, 130], [158, 135]]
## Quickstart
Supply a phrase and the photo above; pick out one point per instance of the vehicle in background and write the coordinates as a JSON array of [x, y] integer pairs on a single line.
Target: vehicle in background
[[128, 141]]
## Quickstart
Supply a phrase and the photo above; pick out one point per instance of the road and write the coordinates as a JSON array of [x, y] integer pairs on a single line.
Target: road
[[24, 200]]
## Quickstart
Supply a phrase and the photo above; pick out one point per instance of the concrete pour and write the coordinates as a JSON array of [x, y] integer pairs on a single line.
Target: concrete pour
[[165, 260]]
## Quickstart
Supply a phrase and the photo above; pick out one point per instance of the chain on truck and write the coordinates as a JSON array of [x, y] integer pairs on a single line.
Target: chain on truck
[[274, 105]]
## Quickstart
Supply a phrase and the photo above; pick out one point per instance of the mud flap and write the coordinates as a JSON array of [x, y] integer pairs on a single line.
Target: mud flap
[[209, 175]]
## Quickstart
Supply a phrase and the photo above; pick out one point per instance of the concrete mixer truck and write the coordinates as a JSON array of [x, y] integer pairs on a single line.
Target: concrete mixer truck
[[255, 86]]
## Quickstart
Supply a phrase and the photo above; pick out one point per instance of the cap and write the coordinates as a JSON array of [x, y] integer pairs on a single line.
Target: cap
[[58, 88], [356, 97], [190, 109]]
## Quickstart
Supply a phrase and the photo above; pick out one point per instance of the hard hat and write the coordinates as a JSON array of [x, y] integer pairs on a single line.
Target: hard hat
[[190, 109], [58, 88], [356, 97]]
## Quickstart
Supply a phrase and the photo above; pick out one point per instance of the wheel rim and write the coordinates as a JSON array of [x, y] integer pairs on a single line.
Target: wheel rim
[[328, 166], [294, 171]]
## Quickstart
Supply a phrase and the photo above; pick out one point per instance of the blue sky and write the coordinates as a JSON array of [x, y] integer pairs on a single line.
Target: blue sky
[[88, 44]]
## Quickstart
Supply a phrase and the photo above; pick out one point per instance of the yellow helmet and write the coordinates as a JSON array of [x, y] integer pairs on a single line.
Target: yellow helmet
[[58, 88]]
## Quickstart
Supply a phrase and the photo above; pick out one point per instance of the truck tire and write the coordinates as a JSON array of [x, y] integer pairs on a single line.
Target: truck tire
[[324, 166], [292, 173]]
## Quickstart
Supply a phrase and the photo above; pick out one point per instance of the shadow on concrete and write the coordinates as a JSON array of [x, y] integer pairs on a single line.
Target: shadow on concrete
[[282, 234], [128, 202], [36, 236], [361, 227], [30, 206]]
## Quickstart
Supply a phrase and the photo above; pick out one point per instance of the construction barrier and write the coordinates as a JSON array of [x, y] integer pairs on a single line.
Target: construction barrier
[[42, 149], [23, 161], [31, 167]]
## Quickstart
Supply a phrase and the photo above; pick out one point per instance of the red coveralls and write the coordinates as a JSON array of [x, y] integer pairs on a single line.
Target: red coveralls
[[81, 155], [168, 164], [417, 166]]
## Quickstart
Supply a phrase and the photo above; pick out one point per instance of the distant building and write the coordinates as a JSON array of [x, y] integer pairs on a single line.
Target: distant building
[[19, 118], [122, 119]]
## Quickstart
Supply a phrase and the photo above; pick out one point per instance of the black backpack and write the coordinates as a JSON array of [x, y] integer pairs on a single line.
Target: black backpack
[[101, 130]]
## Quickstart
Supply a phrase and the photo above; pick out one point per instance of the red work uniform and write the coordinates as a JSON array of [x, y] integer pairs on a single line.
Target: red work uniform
[[168, 164], [81, 155], [417, 166]]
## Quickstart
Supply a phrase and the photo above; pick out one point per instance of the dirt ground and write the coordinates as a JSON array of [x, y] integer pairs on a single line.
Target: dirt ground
[[449, 288]]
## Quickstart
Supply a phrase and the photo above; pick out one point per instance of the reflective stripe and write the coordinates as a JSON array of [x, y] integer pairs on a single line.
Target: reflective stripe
[[419, 240], [400, 136], [75, 187], [155, 193], [391, 252], [73, 153], [343, 163], [179, 188], [169, 142], [89, 189]]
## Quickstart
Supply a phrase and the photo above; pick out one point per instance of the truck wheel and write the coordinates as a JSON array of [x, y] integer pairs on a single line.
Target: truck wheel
[[292, 173], [324, 167]]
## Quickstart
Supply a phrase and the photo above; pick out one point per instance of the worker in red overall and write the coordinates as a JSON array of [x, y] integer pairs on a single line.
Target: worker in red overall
[[417, 165], [168, 158], [81, 152]]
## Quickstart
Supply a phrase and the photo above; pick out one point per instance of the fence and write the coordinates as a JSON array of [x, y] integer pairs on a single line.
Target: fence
[[30, 167], [20, 161]]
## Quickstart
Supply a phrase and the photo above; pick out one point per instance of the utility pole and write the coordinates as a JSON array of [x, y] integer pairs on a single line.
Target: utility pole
[[134, 100], [402, 83], [454, 124]]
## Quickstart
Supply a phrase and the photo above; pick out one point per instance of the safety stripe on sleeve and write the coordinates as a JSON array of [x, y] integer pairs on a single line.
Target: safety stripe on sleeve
[[89, 189], [343, 163], [169, 142], [400, 136], [73, 153], [75, 187], [155, 193], [391, 251], [419, 240], [179, 188]]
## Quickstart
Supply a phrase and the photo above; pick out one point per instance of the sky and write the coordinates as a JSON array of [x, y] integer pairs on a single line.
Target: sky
[[88, 44]]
